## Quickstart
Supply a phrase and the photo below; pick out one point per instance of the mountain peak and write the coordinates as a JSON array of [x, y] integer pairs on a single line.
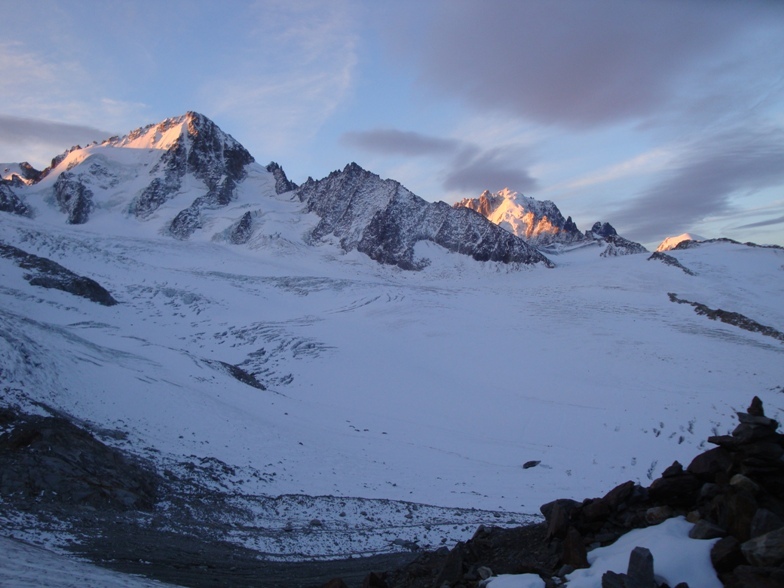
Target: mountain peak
[[538, 222], [672, 242]]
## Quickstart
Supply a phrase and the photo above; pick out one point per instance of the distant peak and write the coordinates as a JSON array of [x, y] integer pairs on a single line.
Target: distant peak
[[605, 230], [673, 242]]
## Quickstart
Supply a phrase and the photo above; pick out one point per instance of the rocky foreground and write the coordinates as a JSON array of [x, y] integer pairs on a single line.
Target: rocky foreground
[[734, 492], [57, 472]]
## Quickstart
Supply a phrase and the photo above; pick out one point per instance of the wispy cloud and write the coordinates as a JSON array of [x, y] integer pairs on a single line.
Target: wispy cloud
[[15, 130], [766, 223], [651, 161], [298, 69], [716, 169], [38, 140], [466, 169]]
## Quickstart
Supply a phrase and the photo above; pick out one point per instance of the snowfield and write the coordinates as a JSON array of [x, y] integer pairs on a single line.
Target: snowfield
[[430, 387]]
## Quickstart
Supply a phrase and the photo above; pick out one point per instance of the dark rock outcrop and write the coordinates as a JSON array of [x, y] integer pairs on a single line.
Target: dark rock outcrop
[[282, 183], [49, 274], [50, 459], [74, 197], [670, 260], [385, 221], [731, 318], [241, 231], [10, 202]]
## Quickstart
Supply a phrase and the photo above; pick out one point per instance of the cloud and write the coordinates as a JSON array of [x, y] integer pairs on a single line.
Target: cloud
[[296, 70], [474, 171], [38, 140], [714, 171], [765, 223], [584, 64], [15, 130], [467, 167], [395, 142]]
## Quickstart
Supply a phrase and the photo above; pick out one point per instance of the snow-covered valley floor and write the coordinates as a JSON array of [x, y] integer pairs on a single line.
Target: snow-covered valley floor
[[389, 390]]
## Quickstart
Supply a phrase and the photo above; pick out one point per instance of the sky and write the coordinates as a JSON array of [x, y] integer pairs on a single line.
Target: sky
[[659, 116]]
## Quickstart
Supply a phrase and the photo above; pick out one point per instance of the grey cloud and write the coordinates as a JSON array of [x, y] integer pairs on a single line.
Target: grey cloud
[[765, 223], [582, 64], [468, 168], [24, 131], [724, 166], [474, 171], [395, 142]]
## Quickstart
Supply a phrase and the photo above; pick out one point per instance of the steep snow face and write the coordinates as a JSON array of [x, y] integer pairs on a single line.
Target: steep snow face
[[538, 222], [384, 220], [672, 242], [147, 174]]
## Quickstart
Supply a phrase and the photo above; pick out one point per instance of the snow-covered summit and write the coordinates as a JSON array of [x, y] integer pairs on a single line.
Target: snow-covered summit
[[539, 222], [672, 242]]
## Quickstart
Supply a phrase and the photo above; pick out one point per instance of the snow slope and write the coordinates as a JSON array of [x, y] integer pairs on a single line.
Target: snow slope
[[375, 375]]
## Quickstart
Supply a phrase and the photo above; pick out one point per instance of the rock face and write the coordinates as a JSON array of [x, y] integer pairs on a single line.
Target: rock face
[[616, 245], [282, 183], [540, 223], [670, 260], [385, 221], [10, 202], [734, 491], [18, 174], [729, 317], [74, 197], [48, 274], [50, 459], [241, 231]]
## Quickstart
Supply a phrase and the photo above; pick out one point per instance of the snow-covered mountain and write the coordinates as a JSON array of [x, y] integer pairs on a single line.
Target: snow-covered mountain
[[278, 390], [538, 222], [672, 242], [541, 224], [184, 175]]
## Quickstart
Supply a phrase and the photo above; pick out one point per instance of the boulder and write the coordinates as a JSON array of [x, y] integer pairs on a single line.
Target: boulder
[[726, 555], [765, 550], [574, 552]]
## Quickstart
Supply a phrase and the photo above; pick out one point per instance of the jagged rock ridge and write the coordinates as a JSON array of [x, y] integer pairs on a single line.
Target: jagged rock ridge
[[540, 223], [384, 220]]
